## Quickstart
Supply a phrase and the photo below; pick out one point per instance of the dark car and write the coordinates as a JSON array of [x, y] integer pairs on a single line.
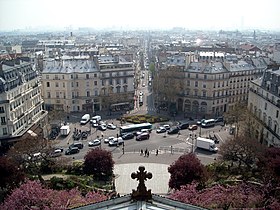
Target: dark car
[[72, 150], [184, 126], [77, 144], [142, 136], [173, 130], [127, 136], [84, 135], [215, 138]]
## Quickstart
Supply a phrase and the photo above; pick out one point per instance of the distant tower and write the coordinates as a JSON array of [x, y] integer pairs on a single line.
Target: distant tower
[[254, 35], [71, 33]]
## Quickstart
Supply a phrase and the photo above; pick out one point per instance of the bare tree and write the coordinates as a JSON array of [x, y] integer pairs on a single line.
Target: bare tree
[[168, 84]]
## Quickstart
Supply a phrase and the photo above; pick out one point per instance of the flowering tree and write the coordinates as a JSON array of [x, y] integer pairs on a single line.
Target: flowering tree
[[185, 170], [33, 195], [99, 162], [225, 196]]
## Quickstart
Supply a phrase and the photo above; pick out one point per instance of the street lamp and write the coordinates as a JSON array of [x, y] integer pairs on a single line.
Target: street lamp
[[193, 137]]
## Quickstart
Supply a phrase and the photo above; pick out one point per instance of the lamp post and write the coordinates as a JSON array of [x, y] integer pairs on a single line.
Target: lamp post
[[193, 137]]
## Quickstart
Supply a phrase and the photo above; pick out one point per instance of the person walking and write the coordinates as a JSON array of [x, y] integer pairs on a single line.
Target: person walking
[[148, 153], [157, 152], [141, 152]]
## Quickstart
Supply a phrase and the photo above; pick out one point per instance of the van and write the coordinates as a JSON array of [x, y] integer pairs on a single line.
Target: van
[[85, 119], [96, 118]]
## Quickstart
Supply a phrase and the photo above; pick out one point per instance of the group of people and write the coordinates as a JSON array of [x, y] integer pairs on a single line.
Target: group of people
[[146, 153]]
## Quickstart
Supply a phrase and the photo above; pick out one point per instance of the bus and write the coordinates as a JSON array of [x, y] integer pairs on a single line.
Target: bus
[[208, 123], [134, 127]]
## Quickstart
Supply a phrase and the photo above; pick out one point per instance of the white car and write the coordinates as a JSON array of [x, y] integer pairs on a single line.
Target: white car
[[111, 126], [93, 143], [143, 85], [108, 139], [167, 127], [161, 129]]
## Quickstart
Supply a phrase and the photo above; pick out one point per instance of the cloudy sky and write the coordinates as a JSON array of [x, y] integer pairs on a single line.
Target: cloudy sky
[[140, 14]]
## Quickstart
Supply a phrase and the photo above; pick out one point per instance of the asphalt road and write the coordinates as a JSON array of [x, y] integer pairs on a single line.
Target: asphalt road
[[182, 143]]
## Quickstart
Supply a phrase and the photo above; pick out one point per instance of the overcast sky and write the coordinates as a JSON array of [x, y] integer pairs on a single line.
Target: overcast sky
[[143, 14]]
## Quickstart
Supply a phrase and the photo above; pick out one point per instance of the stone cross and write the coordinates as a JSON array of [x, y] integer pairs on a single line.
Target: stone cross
[[141, 193]]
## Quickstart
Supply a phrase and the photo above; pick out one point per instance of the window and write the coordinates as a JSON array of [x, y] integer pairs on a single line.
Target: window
[[103, 82], [96, 92], [88, 94], [87, 76], [4, 131], [72, 84], [56, 84], [118, 89], [195, 92], [87, 83], [95, 75], [196, 76], [265, 106], [57, 94], [188, 82], [124, 80], [204, 93], [277, 113], [205, 76], [71, 76], [47, 76], [204, 85], [95, 83], [62, 76], [63, 84], [77, 84], [125, 89], [196, 84], [73, 94], [2, 109], [189, 75], [56, 76], [48, 84], [118, 81], [76, 76], [48, 94], [3, 120]]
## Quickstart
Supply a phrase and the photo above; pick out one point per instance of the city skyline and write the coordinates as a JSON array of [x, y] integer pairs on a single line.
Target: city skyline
[[124, 14]]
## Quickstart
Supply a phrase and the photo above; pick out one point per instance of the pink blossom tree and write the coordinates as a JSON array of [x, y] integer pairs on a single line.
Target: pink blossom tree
[[33, 195]]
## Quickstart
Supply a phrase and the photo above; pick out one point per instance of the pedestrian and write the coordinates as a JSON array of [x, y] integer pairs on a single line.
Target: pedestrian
[[148, 153], [141, 152], [156, 152], [171, 148]]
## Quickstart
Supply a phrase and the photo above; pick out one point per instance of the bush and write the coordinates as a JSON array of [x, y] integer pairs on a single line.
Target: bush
[[145, 118]]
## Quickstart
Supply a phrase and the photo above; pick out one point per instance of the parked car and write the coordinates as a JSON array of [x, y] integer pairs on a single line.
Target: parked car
[[80, 145], [116, 141], [143, 136], [219, 121], [94, 142], [106, 141], [127, 136], [166, 126], [173, 130], [142, 131], [94, 123], [111, 126], [77, 136], [102, 127], [57, 152], [161, 129], [215, 138], [199, 122], [192, 127], [72, 150]]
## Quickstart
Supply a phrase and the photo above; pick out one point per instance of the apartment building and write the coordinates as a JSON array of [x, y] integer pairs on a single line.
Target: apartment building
[[21, 104], [82, 83], [71, 84], [264, 104], [214, 82]]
